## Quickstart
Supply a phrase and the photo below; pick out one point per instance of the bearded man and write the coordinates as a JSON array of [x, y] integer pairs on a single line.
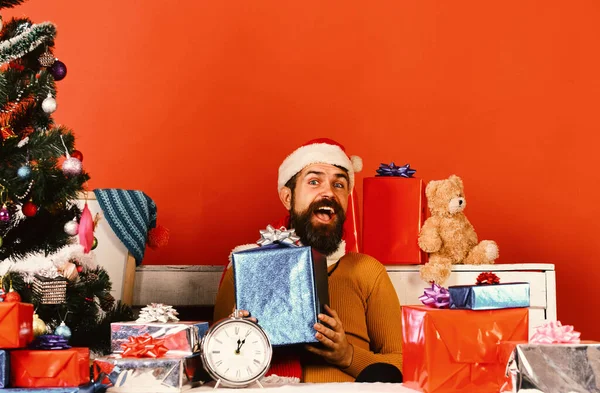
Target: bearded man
[[361, 334]]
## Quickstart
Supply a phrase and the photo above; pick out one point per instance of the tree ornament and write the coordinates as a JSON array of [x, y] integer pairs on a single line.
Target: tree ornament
[[4, 214], [72, 166], [58, 70], [69, 271], [71, 228], [46, 59], [29, 209], [1, 244], [39, 326], [63, 330], [77, 154], [86, 229], [49, 104], [94, 243], [6, 132], [107, 302], [12, 296], [24, 172]]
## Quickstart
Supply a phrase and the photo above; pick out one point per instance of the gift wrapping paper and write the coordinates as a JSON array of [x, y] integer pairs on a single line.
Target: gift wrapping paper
[[172, 373], [179, 336], [394, 210], [447, 351], [4, 369], [554, 368], [489, 297], [16, 320], [49, 368], [284, 287]]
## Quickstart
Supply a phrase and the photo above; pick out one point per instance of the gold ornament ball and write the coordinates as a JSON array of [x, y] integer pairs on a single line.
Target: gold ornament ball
[[39, 327]]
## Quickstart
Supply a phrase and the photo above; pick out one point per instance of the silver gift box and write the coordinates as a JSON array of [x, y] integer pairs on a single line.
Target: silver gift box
[[170, 374], [183, 337], [556, 368]]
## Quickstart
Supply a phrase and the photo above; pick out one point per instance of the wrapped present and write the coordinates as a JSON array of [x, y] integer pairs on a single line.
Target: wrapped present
[[16, 320], [457, 350], [183, 336], [284, 286], [92, 387], [171, 373], [4, 369], [394, 210], [50, 368], [50, 290], [489, 294]]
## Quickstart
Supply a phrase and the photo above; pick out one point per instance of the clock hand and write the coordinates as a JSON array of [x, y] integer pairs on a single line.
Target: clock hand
[[239, 346]]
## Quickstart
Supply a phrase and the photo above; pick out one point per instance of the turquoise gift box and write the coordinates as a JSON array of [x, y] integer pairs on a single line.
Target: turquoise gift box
[[489, 297]]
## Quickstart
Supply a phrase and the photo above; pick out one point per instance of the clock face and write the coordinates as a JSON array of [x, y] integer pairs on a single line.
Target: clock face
[[237, 351]]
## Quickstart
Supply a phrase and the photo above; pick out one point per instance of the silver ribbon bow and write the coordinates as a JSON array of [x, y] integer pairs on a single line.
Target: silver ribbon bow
[[281, 235]]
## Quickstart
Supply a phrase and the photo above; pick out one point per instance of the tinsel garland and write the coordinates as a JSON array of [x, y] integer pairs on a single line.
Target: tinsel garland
[[27, 41]]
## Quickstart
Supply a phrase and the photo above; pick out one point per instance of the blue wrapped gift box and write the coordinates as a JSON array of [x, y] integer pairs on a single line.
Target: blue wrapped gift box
[[285, 287], [489, 297], [4, 368]]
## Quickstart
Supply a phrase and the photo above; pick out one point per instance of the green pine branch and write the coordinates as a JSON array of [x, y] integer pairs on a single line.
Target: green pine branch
[[10, 3]]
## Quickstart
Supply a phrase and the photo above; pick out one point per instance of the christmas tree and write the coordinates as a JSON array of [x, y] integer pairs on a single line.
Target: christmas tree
[[44, 244]]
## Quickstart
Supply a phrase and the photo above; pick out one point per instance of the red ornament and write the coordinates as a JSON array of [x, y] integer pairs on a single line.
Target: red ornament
[[29, 209], [158, 237], [488, 278], [77, 154], [12, 296], [144, 346], [79, 269]]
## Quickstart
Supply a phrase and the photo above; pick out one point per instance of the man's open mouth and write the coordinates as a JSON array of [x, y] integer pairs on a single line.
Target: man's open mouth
[[325, 213]]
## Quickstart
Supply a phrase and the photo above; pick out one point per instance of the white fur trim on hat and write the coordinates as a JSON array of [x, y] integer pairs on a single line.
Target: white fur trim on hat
[[317, 153]]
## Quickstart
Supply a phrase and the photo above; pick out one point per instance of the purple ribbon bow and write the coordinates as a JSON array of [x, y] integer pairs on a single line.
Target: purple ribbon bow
[[394, 170], [436, 296], [50, 341]]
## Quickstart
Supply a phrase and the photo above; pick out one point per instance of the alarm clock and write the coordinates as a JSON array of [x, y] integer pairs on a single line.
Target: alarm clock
[[236, 352]]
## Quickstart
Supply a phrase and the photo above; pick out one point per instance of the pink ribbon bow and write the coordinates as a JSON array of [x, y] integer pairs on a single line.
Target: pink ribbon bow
[[436, 296], [555, 333]]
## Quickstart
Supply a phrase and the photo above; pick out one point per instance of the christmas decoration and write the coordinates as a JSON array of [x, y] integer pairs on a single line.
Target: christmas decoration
[[49, 104], [29, 209], [144, 346], [71, 228], [4, 214], [77, 154], [1, 241], [2, 293], [71, 166], [69, 271], [555, 332], [50, 341], [436, 296], [86, 229], [63, 330], [394, 170], [487, 278], [39, 326], [12, 296], [107, 302], [94, 243], [50, 290], [58, 70], [158, 312], [24, 172], [46, 59]]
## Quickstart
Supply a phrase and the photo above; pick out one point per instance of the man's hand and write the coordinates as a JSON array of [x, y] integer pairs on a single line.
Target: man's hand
[[244, 314], [337, 350]]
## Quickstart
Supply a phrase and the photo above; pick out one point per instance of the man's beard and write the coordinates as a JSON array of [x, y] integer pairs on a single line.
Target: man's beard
[[324, 238]]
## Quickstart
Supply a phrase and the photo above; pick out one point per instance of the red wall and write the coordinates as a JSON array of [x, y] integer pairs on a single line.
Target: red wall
[[198, 103]]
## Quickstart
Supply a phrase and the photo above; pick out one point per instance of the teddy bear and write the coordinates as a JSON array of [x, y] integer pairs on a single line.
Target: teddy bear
[[447, 235]]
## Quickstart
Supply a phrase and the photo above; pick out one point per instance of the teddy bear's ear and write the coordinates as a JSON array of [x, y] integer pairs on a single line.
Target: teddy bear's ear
[[457, 180], [431, 188]]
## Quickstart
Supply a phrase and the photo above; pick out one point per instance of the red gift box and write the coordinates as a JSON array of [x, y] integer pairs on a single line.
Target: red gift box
[[448, 351], [16, 320], [50, 368], [394, 210]]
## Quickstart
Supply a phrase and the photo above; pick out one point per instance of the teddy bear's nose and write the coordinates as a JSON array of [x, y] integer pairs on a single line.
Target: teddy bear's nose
[[460, 201]]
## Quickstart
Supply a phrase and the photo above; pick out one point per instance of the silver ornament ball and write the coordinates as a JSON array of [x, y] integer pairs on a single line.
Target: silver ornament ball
[[63, 330], [71, 228], [71, 166], [49, 104], [24, 172]]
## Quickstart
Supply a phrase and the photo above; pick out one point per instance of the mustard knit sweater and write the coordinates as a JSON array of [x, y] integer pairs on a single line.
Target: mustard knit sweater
[[361, 292]]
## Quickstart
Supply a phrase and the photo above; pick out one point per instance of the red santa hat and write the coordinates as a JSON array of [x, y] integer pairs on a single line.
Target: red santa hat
[[318, 151]]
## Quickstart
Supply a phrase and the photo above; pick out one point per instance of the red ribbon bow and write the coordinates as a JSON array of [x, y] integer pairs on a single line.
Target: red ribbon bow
[[144, 346], [488, 278]]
